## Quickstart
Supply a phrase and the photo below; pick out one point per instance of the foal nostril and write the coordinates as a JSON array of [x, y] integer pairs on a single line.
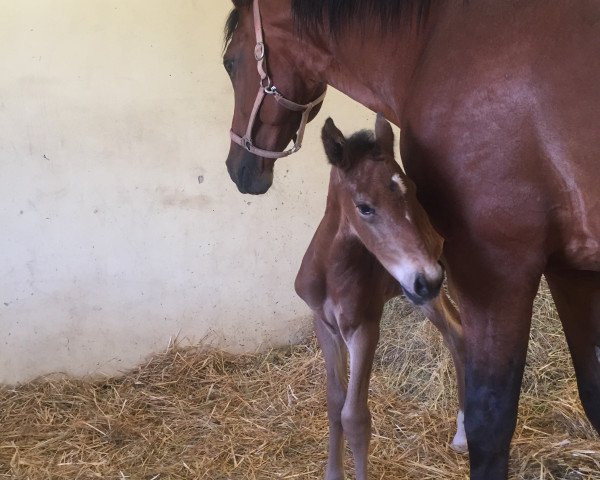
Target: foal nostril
[[425, 288], [422, 286]]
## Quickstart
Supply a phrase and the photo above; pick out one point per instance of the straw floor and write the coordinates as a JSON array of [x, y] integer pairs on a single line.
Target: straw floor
[[188, 414]]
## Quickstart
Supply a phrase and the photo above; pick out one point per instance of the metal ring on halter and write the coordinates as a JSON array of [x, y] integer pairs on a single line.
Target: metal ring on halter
[[268, 85], [259, 51]]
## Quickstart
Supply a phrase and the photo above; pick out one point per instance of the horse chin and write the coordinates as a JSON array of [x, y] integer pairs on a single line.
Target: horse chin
[[251, 174], [258, 186]]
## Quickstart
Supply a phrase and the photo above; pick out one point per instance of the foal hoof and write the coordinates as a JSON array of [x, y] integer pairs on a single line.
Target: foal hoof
[[460, 447], [459, 442]]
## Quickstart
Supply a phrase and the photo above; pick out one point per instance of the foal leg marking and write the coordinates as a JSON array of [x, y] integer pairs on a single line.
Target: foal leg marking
[[446, 319], [459, 442]]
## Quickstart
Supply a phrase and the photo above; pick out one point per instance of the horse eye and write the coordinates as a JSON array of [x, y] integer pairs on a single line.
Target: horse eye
[[365, 209], [228, 64]]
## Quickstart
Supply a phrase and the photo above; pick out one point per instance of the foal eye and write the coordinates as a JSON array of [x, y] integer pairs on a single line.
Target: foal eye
[[228, 64], [365, 209]]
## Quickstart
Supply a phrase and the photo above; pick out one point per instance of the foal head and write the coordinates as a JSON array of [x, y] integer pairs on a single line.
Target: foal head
[[379, 203]]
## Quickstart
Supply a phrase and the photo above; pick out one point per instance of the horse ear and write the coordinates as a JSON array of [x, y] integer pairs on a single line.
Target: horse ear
[[384, 134], [333, 141]]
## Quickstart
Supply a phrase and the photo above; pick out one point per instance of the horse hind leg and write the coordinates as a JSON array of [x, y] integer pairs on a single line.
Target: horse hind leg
[[446, 319], [577, 298], [335, 354]]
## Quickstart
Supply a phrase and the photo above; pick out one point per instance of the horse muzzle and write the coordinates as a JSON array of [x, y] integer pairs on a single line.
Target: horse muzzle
[[250, 173]]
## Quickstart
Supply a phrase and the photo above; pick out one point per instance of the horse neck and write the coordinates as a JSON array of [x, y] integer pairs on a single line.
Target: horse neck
[[376, 70]]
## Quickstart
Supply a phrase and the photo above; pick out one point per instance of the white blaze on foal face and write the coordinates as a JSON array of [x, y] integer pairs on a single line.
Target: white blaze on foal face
[[398, 181], [402, 186]]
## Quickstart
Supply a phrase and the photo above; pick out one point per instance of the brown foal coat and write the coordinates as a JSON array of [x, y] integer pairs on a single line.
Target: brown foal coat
[[345, 284]]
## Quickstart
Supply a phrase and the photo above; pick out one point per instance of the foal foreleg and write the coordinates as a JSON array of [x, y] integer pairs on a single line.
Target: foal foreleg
[[446, 319], [335, 355], [356, 417]]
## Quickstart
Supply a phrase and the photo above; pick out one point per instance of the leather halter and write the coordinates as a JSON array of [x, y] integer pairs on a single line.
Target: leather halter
[[265, 88]]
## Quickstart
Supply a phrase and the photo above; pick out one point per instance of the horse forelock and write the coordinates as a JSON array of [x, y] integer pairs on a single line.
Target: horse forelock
[[230, 26], [233, 20], [339, 14]]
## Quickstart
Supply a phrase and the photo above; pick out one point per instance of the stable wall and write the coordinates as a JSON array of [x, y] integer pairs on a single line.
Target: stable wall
[[110, 246]]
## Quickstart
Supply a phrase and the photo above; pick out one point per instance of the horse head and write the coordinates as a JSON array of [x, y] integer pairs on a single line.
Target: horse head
[[274, 100]]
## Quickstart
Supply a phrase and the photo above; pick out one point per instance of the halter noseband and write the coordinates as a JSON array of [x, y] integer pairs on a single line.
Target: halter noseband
[[266, 87]]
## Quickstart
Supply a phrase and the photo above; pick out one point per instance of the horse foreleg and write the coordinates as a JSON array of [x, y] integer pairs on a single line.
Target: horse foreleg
[[577, 298], [356, 417], [335, 355], [496, 302], [446, 319]]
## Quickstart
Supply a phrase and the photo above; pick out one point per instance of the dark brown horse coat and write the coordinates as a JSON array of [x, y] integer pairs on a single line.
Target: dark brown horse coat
[[499, 106]]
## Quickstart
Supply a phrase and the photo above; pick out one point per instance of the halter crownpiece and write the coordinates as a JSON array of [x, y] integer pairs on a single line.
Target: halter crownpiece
[[266, 87]]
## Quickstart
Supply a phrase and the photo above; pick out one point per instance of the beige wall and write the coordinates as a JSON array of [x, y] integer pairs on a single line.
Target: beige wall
[[110, 248]]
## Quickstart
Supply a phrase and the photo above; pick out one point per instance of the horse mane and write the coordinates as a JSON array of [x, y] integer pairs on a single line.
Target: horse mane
[[310, 15]]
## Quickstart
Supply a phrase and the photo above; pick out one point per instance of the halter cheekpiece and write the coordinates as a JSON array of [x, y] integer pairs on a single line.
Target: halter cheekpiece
[[266, 87]]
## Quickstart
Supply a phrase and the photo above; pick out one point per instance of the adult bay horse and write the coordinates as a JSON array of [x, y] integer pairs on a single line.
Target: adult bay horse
[[499, 108], [360, 257]]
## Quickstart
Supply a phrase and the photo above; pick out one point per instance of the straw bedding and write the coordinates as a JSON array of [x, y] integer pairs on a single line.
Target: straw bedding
[[192, 414]]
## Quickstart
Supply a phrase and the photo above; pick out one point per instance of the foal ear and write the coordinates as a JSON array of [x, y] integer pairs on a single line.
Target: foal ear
[[384, 134], [333, 141]]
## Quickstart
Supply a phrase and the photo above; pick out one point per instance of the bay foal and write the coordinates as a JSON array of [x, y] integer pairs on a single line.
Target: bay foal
[[373, 242]]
